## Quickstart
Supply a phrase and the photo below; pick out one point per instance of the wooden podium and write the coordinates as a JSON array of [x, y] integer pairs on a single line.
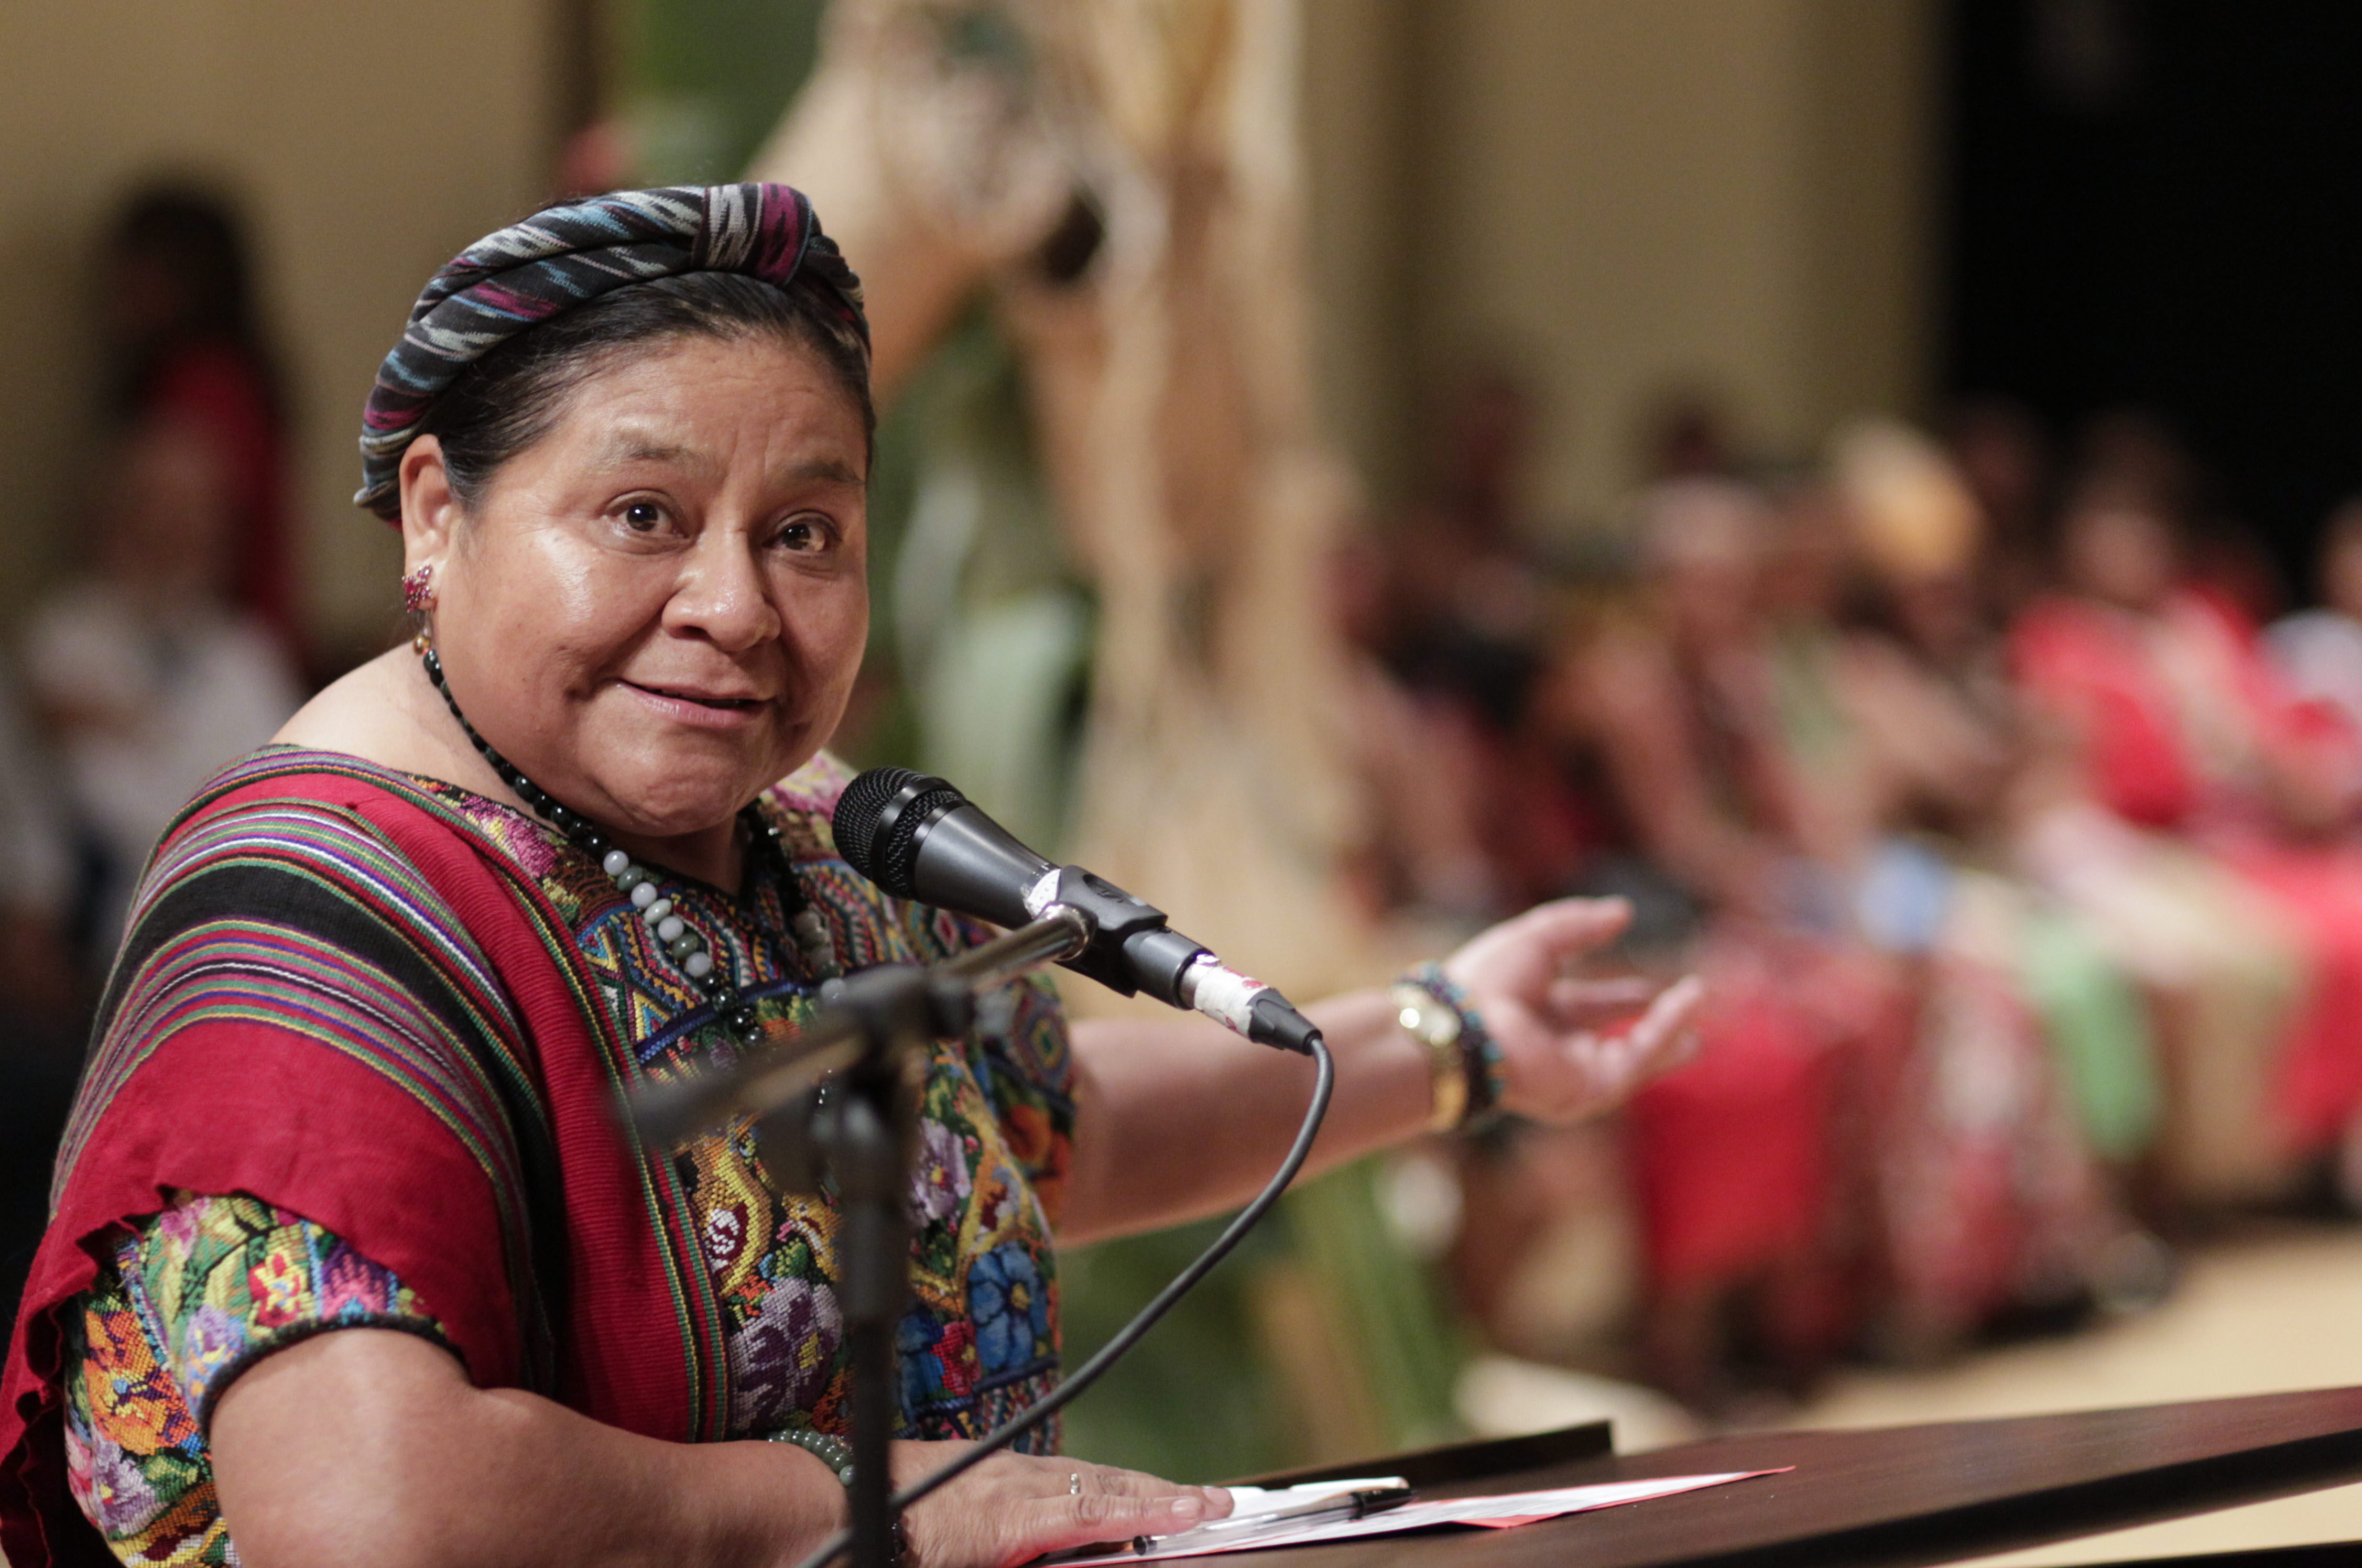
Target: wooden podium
[[1883, 1497]]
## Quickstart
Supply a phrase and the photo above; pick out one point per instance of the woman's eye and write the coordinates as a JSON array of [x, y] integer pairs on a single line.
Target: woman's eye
[[643, 516], [805, 536]]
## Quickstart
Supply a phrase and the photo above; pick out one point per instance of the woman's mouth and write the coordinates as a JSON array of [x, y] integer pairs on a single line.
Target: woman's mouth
[[692, 705]]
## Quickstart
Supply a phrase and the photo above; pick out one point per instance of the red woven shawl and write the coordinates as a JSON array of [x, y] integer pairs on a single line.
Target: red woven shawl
[[338, 998]]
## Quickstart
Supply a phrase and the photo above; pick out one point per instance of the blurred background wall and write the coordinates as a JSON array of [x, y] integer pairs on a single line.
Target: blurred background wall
[[1629, 203]]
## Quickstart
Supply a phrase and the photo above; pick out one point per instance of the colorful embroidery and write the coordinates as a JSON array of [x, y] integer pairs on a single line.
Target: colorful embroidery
[[996, 1122], [201, 1293], [980, 1339]]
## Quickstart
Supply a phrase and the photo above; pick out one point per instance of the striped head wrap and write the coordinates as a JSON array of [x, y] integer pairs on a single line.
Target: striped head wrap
[[568, 255]]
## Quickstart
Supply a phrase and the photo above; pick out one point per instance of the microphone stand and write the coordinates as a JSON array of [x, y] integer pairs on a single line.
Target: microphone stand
[[872, 1034]]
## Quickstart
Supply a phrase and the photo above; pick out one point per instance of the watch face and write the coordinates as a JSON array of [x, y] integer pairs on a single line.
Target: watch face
[[1429, 1020], [1438, 1026]]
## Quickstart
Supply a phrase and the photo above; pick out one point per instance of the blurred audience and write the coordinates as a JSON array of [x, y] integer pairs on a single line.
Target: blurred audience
[[2024, 870], [2186, 731]]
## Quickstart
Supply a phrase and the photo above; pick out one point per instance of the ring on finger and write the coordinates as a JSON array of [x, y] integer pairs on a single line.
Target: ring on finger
[[1075, 1485]]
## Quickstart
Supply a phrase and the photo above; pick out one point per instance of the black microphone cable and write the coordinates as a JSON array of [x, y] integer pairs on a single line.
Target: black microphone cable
[[1324, 1083]]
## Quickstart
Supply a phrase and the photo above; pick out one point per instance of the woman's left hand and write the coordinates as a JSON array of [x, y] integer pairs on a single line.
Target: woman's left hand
[[1557, 1063]]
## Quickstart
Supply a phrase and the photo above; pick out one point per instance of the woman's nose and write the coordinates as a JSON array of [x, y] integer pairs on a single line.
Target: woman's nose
[[724, 594]]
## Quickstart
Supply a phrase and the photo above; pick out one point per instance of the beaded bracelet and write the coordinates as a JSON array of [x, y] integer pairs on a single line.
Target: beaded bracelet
[[826, 1447], [1480, 1055], [837, 1455]]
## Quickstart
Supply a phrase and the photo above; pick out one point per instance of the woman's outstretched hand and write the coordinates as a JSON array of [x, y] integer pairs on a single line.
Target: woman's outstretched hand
[[1559, 1064], [1014, 1507]]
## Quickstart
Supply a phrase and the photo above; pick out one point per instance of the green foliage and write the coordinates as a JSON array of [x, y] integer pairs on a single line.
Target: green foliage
[[1192, 1402], [704, 81], [1199, 1399]]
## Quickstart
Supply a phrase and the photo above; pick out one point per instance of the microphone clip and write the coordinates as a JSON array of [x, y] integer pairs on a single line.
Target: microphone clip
[[1132, 949]]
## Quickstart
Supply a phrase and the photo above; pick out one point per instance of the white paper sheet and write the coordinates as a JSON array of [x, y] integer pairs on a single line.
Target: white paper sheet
[[1254, 1532]]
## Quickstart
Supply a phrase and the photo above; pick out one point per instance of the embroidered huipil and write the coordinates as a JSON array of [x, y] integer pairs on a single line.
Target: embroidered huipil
[[190, 1297]]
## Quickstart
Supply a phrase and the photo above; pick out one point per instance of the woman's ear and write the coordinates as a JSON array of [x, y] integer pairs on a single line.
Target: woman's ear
[[430, 507]]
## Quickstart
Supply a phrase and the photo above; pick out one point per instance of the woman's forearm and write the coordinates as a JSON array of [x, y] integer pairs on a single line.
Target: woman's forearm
[[1176, 1120], [371, 1446]]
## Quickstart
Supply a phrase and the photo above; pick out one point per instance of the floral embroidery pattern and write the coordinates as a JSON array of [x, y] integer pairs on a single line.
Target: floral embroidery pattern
[[994, 1132], [1012, 1309], [205, 1289]]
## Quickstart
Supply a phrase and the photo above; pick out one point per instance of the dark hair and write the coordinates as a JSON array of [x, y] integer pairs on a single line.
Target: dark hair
[[198, 239], [510, 399]]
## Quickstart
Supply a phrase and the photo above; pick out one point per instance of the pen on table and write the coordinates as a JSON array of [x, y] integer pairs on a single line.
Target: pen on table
[[1351, 1505]]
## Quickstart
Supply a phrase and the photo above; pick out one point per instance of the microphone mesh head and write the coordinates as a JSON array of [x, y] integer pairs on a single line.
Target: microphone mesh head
[[889, 860], [858, 808]]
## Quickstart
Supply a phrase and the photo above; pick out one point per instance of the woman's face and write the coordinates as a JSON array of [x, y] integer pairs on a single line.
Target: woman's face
[[658, 609], [2119, 551]]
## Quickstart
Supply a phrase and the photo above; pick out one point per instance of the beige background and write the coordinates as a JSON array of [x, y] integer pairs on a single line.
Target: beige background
[[1631, 197]]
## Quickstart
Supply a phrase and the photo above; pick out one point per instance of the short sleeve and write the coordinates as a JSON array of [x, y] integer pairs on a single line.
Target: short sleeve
[[193, 1297], [221, 1282]]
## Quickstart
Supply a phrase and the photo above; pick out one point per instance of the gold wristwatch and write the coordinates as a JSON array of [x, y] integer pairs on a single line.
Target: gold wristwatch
[[1433, 1022]]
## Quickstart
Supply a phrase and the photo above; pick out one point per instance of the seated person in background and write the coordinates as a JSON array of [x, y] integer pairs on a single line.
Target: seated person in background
[[1753, 1203], [2319, 651], [1456, 613], [1998, 1199], [2182, 729], [187, 347], [147, 677]]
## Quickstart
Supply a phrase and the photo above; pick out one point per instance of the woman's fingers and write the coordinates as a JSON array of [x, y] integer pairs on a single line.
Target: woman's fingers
[[1093, 1515], [1667, 1033], [1108, 1480], [1584, 1072], [1054, 1523], [1525, 953], [1577, 1002], [1665, 1037], [1013, 1508]]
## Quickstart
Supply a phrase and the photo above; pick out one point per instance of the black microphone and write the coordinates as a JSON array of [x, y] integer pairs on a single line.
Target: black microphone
[[919, 838]]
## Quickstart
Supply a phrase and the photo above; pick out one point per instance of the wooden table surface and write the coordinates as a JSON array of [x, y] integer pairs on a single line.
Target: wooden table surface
[[1890, 1496]]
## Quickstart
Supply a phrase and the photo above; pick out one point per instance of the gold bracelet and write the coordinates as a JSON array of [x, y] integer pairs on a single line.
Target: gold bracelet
[[1436, 1025]]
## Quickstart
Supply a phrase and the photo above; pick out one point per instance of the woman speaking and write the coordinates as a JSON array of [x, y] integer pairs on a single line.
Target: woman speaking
[[385, 979]]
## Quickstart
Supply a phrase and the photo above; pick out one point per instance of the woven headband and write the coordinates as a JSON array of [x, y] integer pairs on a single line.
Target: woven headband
[[566, 256]]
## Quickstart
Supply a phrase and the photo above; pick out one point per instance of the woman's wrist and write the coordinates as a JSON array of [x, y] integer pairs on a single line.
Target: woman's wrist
[[836, 1454], [1463, 1060], [785, 1515]]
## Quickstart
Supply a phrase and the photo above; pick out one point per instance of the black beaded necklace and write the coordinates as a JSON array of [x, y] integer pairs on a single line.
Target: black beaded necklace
[[680, 944]]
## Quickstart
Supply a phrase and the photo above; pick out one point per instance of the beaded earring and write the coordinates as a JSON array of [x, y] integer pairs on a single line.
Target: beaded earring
[[418, 589], [417, 599]]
